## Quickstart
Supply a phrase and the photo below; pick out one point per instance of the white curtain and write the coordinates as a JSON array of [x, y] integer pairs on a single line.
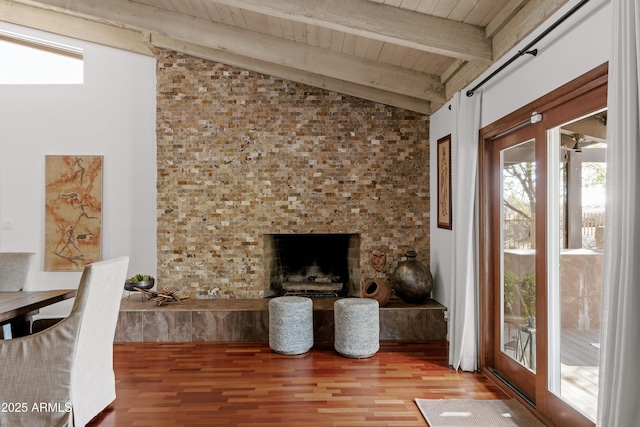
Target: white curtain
[[463, 316], [619, 392]]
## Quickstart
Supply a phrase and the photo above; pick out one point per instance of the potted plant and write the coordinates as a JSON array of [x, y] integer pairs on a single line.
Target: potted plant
[[520, 296], [139, 281]]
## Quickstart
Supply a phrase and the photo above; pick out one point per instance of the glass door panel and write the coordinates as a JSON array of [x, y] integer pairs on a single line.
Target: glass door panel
[[518, 249], [512, 213], [576, 210], [542, 226]]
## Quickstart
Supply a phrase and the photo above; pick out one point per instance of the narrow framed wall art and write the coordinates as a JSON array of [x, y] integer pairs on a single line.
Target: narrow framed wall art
[[73, 212], [444, 183]]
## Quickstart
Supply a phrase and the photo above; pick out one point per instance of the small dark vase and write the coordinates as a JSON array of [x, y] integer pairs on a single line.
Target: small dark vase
[[412, 280], [378, 290]]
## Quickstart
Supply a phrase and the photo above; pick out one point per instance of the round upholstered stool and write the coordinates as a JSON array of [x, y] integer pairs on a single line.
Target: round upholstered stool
[[357, 327], [291, 325]]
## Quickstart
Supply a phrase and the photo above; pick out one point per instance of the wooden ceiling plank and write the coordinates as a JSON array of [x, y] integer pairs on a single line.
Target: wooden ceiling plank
[[389, 98], [368, 19], [435, 64], [337, 41], [393, 55], [426, 6], [288, 31], [300, 32], [312, 35], [201, 10], [213, 11], [165, 4], [373, 49], [361, 47], [411, 5], [504, 16], [423, 62], [238, 18], [69, 26], [443, 66], [443, 9], [452, 70], [256, 21], [411, 58], [324, 38], [275, 28], [262, 47], [349, 44], [461, 10], [180, 6], [393, 3], [480, 11], [225, 14]]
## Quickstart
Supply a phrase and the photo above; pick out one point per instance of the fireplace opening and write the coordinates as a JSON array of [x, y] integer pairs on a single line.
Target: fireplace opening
[[313, 264]]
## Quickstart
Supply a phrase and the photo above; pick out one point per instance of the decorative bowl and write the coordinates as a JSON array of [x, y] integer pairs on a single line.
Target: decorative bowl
[[141, 284]]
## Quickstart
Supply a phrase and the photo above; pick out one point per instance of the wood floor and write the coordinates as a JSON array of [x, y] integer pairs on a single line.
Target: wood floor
[[579, 370], [246, 384]]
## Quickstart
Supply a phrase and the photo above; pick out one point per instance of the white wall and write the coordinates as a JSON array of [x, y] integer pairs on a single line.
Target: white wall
[[577, 46], [112, 114]]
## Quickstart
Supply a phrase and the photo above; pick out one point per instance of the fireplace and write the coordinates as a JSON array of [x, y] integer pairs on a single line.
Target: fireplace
[[316, 265]]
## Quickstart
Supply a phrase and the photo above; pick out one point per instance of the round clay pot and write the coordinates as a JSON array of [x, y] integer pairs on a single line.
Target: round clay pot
[[378, 290], [412, 280]]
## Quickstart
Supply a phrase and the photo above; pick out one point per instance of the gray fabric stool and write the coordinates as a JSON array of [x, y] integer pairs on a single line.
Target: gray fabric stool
[[357, 327], [290, 325]]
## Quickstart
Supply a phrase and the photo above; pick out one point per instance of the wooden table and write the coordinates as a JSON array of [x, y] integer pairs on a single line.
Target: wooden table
[[19, 305]]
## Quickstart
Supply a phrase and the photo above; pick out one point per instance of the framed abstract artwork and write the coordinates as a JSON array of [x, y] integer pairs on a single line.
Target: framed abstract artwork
[[73, 212], [444, 183]]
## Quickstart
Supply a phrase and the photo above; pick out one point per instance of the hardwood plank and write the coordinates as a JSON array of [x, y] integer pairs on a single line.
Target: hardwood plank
[[247, 384]]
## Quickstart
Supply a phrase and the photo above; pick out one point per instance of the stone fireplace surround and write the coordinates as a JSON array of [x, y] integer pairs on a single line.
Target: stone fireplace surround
[[242, 156]]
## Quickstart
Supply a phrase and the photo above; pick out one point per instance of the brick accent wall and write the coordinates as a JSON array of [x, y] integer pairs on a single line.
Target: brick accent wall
[[241, 155]]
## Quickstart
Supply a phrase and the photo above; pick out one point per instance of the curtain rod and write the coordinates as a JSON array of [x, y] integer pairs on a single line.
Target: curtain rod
[[527, 49]]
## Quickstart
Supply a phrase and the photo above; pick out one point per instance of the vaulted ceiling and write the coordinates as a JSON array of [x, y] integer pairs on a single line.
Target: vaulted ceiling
[[413, 54]]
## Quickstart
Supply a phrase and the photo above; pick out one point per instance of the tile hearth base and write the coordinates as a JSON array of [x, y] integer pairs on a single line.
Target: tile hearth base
[[217, 320]]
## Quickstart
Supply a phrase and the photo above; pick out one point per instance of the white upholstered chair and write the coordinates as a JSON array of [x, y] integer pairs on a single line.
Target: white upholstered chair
[[16, 274], [68, 368]]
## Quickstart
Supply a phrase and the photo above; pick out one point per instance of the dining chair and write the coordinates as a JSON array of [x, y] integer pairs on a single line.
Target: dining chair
[[63, 376], [16, 274]]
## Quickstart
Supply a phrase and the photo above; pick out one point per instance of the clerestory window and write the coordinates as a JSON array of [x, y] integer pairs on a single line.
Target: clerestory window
[[30, 60]]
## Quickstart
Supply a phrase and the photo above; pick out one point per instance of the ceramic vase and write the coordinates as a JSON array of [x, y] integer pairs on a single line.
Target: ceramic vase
[[378, 290], [412, 280]]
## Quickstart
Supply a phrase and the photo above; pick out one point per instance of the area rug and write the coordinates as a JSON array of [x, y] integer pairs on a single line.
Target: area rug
[[476, 413]]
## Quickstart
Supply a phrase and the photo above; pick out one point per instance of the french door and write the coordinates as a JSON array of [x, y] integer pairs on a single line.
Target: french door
[[541, 250], [514, 222]]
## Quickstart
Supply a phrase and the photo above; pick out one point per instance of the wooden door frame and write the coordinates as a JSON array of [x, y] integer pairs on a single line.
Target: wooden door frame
[[593, 83], [524, 379]]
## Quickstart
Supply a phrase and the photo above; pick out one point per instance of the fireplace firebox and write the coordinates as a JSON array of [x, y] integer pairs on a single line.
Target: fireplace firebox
[[312, 264]]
